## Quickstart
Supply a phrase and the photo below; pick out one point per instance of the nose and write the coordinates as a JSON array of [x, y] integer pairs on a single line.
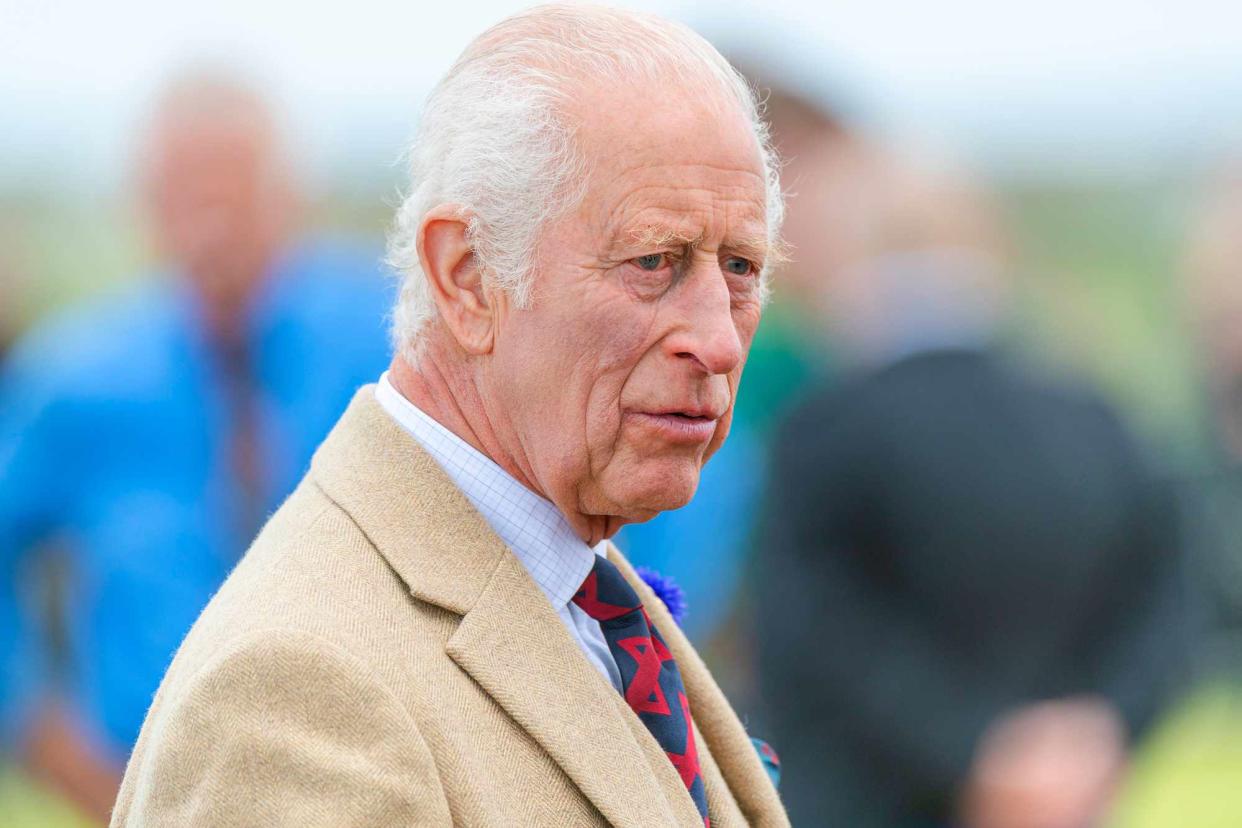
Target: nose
[[706, 332]]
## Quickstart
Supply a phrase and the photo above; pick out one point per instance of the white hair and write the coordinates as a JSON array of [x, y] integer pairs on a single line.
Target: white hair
[[492, 141]]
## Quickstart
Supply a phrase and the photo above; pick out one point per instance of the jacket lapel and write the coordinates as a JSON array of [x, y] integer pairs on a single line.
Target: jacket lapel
[[510, 640], [721, 805], [517, 649]]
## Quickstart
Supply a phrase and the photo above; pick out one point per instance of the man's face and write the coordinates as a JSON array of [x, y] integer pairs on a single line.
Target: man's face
[[619, 379]]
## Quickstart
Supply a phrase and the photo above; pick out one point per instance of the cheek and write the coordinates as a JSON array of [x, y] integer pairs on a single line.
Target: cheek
[[746, 319], [567, 360], [615, 331], [610, 345]]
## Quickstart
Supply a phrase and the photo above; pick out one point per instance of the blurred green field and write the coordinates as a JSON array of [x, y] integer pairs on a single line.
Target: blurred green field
[[23, 804], [1187, 775]]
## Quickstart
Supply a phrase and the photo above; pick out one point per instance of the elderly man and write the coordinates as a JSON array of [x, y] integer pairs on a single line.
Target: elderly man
[[433, 629]]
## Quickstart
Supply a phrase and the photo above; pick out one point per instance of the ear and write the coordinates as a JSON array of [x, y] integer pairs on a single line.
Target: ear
[[455, 279]]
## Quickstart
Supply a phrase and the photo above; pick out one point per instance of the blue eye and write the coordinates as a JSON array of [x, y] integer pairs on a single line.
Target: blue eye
[[652, 261], [739, 266]]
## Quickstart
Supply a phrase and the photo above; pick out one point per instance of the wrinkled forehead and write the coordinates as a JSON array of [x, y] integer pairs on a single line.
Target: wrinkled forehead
[[677, 138]]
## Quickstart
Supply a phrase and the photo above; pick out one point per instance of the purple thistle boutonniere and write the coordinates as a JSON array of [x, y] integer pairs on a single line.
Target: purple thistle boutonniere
[[668, 590]]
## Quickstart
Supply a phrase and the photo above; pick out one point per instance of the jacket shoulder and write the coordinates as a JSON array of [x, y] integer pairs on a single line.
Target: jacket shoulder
[[280, 727], [311, 569], [277, 709]]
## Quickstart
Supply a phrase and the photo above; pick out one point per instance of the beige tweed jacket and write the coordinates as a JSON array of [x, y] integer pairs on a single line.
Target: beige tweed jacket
[[380, 658]]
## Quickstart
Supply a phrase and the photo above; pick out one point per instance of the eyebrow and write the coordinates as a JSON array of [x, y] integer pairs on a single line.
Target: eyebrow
[[659, 236], [755, 246]]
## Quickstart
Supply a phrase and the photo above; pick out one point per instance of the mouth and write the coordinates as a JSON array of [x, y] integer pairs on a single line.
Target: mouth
[[679, 426]]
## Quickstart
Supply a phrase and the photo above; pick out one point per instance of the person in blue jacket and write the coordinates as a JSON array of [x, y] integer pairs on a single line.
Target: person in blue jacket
[[150, 435]]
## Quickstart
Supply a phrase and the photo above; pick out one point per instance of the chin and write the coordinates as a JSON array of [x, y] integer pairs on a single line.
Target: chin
[[659, 488]]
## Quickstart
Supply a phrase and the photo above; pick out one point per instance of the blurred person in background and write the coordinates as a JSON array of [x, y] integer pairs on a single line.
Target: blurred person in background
[[151, 434], [971, 599]]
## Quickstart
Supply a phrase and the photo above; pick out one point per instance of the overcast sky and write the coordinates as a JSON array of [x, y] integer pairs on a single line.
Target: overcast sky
[[1074, 83]]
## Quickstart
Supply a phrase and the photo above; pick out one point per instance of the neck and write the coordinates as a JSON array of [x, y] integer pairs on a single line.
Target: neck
[[446, 389]]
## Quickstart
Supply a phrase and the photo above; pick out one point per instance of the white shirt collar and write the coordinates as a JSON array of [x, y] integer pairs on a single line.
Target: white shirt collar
[[556, 558]]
